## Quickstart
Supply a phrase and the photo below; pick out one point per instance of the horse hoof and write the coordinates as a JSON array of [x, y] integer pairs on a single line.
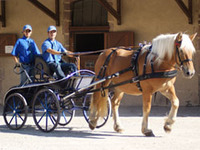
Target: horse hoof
[[92, 125], [118, 129], [167, 128], [149, 134]]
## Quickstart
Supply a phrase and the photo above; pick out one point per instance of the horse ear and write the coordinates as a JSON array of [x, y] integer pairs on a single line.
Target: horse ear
[[192, 37], [179, 37]]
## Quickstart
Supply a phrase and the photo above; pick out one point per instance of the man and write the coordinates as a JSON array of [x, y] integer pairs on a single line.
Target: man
[[24, 52], [52, 51]]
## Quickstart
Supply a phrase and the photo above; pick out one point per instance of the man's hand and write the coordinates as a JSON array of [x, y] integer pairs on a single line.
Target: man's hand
[[18, 64], [63, 53]]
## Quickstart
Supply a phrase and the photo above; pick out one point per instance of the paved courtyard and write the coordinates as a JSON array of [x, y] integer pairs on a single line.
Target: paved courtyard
[[77, 136]]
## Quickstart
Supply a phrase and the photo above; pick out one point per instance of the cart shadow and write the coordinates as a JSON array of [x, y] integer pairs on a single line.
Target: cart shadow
[[67, 132]]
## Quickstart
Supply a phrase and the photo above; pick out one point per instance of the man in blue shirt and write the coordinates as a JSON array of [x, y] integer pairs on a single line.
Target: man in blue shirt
[[24, 52], [52, 51]]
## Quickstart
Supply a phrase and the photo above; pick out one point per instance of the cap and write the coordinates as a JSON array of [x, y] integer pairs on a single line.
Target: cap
[[27, 27], [51, 28]]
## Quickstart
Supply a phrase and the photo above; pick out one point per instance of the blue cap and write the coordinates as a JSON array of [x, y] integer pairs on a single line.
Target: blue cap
[[27, 27], [51, 28]]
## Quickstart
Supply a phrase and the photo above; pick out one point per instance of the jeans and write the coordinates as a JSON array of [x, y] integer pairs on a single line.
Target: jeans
[[24, 78], [62, 69]]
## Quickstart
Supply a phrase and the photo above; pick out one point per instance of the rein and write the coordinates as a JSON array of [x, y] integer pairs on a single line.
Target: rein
[[99, 51], [86, 53]]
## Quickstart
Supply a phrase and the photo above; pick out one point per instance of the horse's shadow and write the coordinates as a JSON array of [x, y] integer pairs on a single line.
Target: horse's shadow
[[72, 132]]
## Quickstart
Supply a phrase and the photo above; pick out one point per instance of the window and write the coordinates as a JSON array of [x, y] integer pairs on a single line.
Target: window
[[88, 13]]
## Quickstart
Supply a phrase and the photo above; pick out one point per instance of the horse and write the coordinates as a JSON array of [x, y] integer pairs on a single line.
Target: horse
[[154, 70]]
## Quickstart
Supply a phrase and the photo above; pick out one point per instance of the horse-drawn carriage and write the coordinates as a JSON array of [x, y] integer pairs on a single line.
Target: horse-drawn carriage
[[50, 101], [152, 68]]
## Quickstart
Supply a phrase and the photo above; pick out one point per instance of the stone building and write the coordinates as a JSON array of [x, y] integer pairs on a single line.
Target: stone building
[[89, 25]]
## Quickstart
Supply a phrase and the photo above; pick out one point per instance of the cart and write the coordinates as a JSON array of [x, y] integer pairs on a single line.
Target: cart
[[52, 102]]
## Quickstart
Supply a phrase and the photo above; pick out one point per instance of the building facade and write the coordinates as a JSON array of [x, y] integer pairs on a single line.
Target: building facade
[[80, 21]]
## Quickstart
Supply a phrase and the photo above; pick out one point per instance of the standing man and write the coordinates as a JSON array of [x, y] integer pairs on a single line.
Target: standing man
[[24, 53], [52, 51]]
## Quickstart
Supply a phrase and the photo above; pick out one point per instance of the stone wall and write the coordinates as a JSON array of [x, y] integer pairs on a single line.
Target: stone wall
[[145, 18]]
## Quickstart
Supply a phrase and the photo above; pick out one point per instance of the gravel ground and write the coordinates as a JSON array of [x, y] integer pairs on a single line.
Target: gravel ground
[[77, 136]]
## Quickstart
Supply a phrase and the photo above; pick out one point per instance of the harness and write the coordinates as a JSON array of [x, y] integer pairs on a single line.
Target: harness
[[178, 45], [134, 68], [145, 76]]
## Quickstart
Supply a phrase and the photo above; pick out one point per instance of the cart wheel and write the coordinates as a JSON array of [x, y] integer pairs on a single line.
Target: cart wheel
[[67, 112], [46, 110], [86, 105], [15, 111]]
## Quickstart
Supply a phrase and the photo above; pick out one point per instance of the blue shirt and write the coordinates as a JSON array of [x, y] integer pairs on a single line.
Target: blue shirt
[[25, 48], [55, 45]]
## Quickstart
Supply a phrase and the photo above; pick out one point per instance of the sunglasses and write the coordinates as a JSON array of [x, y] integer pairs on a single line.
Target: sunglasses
[[52, 31], [27, 30]]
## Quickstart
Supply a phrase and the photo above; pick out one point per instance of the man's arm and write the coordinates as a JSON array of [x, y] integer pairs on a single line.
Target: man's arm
[[52, 51], [16, 59]]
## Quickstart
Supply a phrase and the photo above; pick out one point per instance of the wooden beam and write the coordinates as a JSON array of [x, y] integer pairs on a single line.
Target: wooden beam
[[57, 12], [187, 11], [3, 13], [199, 20], [110, 9], [55, 16]]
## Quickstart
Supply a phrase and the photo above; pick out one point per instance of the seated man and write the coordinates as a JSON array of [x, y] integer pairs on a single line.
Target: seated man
[[52, 51]]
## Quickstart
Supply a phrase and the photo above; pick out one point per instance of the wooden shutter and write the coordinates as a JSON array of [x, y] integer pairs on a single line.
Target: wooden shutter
[[114, 39], [7, 40]]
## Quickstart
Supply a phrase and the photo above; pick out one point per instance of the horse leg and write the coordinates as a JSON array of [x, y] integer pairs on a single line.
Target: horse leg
[[98, 106], [171, 95], [93, 117], [116, 99], [147, 98]]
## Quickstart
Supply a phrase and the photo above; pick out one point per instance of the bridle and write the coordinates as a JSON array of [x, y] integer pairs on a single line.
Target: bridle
[[181, 62]]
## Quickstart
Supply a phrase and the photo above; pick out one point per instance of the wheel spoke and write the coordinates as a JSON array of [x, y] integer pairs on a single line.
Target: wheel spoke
[[11, 119], [15, 120], [46, 121], [14, 102], [41, 118], [52, 120], [64, 116], [41, 103], [20, 116], [10, 106]]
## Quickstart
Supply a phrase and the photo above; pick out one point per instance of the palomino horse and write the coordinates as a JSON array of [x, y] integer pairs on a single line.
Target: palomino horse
[[155, 71]]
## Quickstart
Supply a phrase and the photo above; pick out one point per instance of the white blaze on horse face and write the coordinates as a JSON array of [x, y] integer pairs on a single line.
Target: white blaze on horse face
[[188, 73], [188, 67], [187, 50]]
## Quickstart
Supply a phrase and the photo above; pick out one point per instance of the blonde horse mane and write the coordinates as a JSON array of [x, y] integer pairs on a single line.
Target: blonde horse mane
[[163, 45]]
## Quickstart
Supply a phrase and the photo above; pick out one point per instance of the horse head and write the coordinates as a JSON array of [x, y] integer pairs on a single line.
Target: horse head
[[184, 52]]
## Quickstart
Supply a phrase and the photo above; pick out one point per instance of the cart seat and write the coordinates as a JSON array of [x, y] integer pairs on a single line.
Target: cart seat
[[42, 70]]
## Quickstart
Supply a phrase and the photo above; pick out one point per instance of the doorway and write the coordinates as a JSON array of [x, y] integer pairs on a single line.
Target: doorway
[[85, 42], [88, 42]]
